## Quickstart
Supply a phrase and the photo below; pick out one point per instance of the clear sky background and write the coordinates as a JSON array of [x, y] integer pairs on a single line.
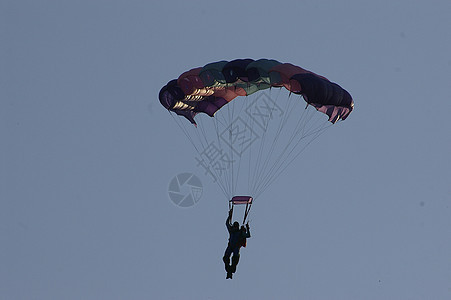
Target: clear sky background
[[87, 153]]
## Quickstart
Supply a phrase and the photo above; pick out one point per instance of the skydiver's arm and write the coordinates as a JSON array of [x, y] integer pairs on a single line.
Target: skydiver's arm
[[228, 222], [248, 232]]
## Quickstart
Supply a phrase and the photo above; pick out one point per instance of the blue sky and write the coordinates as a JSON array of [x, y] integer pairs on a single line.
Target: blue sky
[[88, 153]]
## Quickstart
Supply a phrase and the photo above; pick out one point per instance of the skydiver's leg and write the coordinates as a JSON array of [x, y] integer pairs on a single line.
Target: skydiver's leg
[[226, 258], [235, 259]]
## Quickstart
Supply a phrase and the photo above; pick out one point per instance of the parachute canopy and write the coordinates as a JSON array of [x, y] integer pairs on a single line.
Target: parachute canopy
[[207, 89]]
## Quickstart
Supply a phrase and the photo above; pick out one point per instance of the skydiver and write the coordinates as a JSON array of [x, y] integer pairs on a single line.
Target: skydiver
[[237, 239]]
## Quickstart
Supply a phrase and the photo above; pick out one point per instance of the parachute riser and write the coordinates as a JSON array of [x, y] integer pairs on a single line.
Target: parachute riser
[[246, 209], [246, 212]]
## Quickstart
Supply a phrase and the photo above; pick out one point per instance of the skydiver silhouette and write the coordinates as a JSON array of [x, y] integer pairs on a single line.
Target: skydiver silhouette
[[237, 239]]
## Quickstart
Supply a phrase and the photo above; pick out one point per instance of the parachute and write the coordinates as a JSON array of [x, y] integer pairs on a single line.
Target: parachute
[[209, 88], [244, 130]]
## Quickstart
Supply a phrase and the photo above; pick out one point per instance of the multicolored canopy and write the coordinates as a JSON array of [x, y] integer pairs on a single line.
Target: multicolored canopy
[[207, 89]]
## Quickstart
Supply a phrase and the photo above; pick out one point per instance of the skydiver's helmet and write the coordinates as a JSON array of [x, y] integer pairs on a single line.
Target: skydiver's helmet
[[236, 225]]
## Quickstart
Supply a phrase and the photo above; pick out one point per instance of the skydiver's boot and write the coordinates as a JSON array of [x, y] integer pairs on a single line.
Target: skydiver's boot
[[235, 260], [229, 275]]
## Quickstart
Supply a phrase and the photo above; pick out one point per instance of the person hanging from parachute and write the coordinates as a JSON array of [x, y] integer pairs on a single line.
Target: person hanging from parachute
[[237, 236], [215, 89], [237, 239]]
